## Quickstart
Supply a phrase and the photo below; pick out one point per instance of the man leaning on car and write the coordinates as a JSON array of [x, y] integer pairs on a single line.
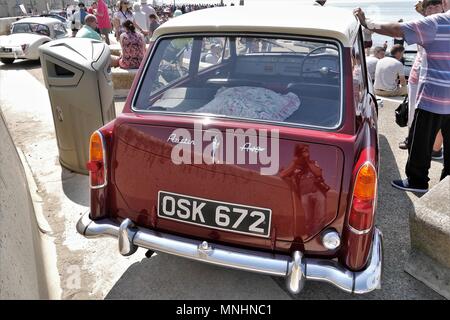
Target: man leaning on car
[[433, 97]]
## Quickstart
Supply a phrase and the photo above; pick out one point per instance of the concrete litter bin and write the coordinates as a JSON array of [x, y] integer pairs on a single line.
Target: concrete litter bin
[[78, 77]]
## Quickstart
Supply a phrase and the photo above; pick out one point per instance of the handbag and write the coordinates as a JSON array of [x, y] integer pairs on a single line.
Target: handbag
[[401, 113]]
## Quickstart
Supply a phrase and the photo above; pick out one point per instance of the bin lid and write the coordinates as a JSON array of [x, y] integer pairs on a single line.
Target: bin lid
[[76, 51]]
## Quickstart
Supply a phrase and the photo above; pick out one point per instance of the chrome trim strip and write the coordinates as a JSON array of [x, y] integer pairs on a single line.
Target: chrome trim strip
[[295, 280], [359, 232], [126, 235], [356, 231], [370, 278], [296, 269]]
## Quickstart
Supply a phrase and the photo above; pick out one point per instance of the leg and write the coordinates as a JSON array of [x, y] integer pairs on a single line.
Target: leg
[[107, 38], [438, 141], [421, 139], [412, 98], [114, 61], [445, 128], [382, 93]]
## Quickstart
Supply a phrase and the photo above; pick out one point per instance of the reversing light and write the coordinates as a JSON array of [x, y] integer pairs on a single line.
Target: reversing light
[[97, 161], [363, 200], [331, 239]]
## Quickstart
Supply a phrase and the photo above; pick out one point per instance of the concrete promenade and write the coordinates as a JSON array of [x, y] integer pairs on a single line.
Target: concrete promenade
[[95, 269]]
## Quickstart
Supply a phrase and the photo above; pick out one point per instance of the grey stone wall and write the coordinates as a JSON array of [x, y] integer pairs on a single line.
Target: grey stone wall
[[22, 273]]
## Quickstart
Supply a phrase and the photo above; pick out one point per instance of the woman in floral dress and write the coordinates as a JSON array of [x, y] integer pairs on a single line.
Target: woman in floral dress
[[133, 48]]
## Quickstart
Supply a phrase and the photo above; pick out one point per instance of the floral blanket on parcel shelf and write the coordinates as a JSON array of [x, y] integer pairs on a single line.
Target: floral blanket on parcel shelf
[[253, 103]]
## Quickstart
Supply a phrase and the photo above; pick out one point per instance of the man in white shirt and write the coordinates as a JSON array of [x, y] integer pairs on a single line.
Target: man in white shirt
[[372, 60], [140, 17], [213, 56], [390, 78], [147, 9]]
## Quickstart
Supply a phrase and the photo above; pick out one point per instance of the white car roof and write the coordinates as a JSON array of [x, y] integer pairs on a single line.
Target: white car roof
[[295, 19], [41, 20]]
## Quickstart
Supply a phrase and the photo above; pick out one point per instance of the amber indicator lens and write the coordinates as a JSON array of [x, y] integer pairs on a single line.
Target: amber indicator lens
[[96, 165]]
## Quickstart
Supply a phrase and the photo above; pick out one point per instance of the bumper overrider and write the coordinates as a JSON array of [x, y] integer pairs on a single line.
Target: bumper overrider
[[296, 268]]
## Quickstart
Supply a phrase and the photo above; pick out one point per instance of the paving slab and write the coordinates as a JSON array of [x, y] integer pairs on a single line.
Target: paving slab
[[430, 239]]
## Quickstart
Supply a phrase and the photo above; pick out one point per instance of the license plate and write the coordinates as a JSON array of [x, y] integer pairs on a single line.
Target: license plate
[[5, 49], [213, 214]]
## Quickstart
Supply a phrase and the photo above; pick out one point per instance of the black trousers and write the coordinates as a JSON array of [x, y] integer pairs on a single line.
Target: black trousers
[[421, 138]]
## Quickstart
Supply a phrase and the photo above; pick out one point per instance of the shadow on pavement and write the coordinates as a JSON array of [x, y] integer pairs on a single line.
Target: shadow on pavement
[[22, 64], [75, 186], [392, 215], [168, 277]]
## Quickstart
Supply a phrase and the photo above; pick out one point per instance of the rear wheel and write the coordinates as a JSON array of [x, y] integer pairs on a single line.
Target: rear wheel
[[7, 60]]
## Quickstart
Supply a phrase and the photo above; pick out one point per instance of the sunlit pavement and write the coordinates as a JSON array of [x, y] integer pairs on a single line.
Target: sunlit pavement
[[94, 268]]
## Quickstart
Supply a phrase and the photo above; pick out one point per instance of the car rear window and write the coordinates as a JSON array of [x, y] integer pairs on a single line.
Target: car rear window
[[296, 81]]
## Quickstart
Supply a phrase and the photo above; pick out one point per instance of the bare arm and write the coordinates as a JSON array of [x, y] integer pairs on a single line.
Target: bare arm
[[387, 29], [402, 81]]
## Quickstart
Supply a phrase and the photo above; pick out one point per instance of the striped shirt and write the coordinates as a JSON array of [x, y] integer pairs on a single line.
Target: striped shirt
[[433, 34], [415, 69]]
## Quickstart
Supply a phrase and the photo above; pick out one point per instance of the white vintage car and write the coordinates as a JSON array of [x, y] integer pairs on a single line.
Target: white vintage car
[[27, 35]]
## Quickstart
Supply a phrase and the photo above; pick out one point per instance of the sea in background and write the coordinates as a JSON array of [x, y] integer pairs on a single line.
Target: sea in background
[[378, 10]]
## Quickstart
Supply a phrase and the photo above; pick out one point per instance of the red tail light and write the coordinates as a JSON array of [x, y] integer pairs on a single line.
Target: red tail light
[[97, 161], [363, 200]]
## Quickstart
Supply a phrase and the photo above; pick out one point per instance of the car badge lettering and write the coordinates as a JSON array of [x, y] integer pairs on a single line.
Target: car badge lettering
[[180, 140], [249, 148]]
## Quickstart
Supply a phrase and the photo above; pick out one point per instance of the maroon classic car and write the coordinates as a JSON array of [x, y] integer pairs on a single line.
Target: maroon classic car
[[248, 140]]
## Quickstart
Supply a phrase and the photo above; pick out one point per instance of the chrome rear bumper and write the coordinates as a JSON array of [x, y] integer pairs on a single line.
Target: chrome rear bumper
[[296, 268]]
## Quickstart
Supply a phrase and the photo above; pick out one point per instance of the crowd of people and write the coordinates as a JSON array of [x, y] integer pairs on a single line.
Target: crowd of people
[[132, 25]]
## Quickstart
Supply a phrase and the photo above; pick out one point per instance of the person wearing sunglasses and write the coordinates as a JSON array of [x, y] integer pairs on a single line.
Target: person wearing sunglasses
[[124, 14]]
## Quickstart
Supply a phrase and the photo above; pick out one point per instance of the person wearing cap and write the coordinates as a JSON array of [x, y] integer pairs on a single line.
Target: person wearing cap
[[88, 30], [433, 97], [425, 8]]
